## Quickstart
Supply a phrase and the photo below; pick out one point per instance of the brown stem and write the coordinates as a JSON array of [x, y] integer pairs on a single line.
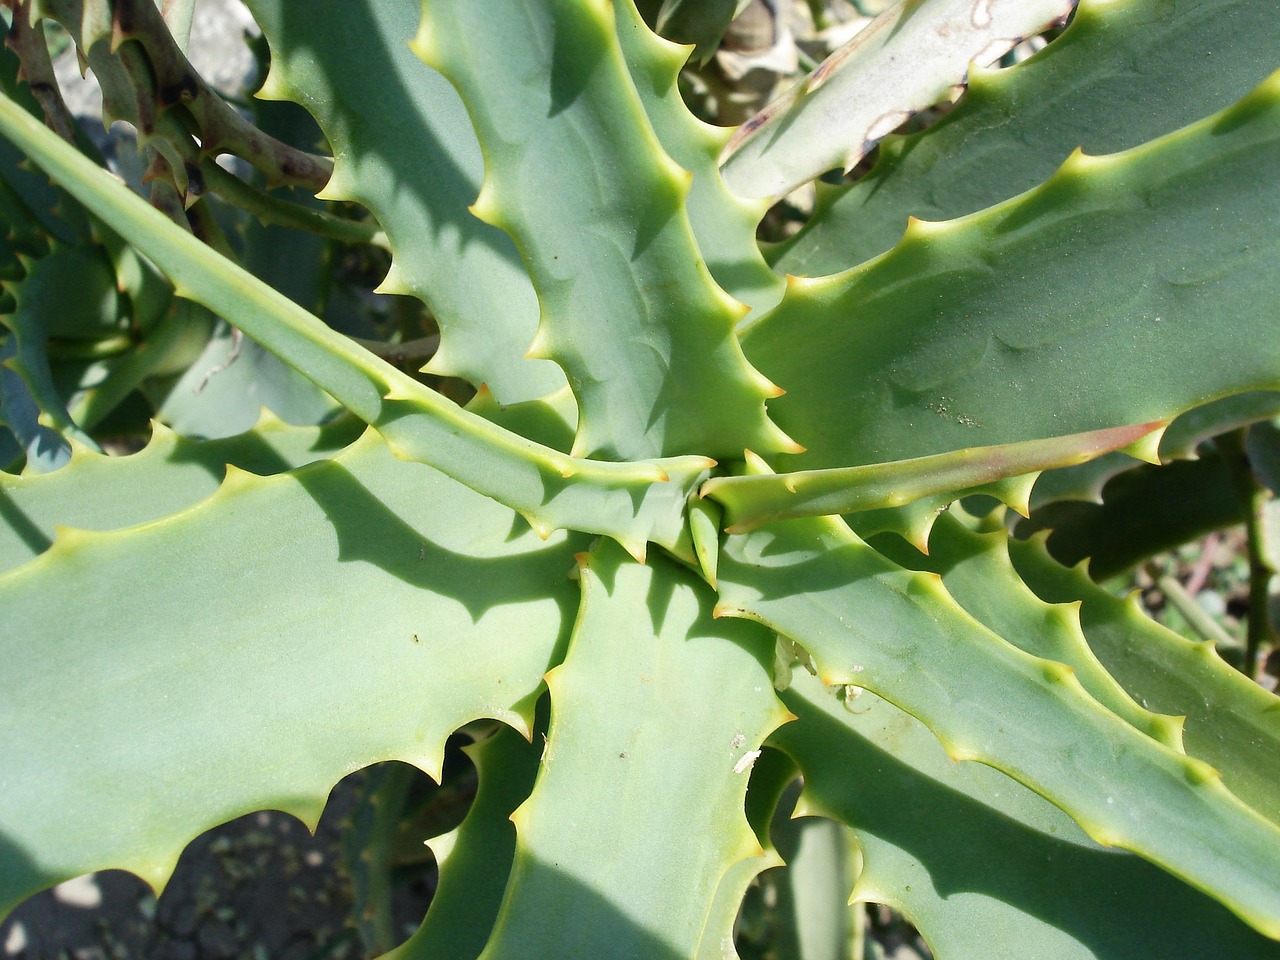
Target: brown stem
[[28, 42], [222, 129]]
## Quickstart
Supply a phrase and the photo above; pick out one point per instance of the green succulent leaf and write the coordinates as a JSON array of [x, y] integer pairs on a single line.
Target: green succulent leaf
[[900, 63], [1143, 512], [1122, 73], [633, 502], [867, 622], [101, 492], [983, 866], [771, 774], [723, 224], [1231, 722], [646, 665], [977, 572], [701, 23], [475, 859], [1095, 300], [754, 500], [222, 391], [43, 447], [329, 602], [70, 293], [410, 155], [575, 173]]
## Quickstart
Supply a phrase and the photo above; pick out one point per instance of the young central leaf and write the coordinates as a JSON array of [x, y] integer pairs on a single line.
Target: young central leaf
[[574, 172]]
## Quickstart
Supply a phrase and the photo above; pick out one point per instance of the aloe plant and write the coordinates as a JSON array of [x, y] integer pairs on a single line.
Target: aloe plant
[[669, 521]]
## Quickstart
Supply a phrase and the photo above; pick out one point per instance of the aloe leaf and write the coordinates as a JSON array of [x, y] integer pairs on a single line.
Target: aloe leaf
[[69, 293], [723, 223], [1097, 299], [222, 390], [410, 155], [101, 493], [1143, 512], [903, 61], [633, 502], [43, 447], [576, 175], [982, 866], [819, 922], [869, 623], [701, 23], [771, 774], [475, 859], [598, 870], [1105, 85], [754, 500], [1231, 722], [977, 572], [161, 349], [1179, 441], [368, 852], [352, 611]]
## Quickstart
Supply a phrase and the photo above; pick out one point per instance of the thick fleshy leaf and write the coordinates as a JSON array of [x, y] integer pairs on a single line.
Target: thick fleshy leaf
[[410, 155], [977, 572], [771, 774], [634, 822], [983, 866], [101, 492], [69, 293], [869, 623], [249, 652], [633, 502], [813, 912], [903, 61], [575, 173], [701, 23], [754, 500], [1123, 72], [1143, 512], [222, 392], [1231, 722], [475, 859], [1126, 289], [43, 447], [1178, 442], [723, 224]]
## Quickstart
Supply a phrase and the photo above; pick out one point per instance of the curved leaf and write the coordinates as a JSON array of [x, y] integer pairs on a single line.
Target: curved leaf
[[576, 175], [633, 502], [903, 61], [1231, 722], [98, 492], [410, 155], [754, 500], [1126, 289], [869, 623], [634, 822], [723, 224], [981, 865], [251, 651], [1122, 73], [475, 859]]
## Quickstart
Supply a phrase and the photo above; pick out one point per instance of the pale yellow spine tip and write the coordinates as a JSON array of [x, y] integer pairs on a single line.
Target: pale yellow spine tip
[[755, 463], [487, 206], [540, 346], [1147, 447]]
